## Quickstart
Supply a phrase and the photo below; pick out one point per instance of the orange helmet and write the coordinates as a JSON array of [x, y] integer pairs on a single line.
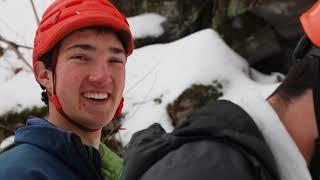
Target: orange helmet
[[65, 16], [310, 21]]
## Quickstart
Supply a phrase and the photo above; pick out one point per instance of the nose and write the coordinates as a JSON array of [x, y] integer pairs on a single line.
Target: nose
[[100, 74]]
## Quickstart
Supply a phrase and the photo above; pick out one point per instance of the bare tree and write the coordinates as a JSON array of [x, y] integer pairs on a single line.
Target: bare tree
[[35, 11], [15, 46]]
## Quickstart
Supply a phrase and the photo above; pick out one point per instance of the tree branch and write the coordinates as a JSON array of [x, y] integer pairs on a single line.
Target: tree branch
[[35, 11], [14, 47], [10, 42], [6, 128]]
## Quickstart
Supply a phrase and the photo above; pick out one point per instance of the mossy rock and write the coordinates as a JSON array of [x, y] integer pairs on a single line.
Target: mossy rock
[[193, 98], [11, 121]]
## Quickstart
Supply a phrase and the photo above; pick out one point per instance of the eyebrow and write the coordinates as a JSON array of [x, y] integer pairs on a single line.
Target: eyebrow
[[116, 50], [82, 46], [88, 47]]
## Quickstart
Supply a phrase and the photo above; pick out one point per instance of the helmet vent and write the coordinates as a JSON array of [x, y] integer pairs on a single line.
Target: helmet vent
[[67, 15], [47, 16], [50, 22]]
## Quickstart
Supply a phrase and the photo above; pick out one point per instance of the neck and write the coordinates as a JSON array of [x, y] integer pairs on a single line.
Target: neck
[[87, 138], [298, 117]]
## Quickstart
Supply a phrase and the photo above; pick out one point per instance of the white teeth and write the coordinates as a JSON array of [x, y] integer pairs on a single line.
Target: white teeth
[[96, 95]]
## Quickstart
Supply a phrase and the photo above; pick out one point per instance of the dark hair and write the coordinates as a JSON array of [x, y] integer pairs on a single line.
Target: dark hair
[[47, 58], [301, 77]]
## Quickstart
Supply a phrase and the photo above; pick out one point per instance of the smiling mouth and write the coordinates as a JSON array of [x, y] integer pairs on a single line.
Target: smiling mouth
[[96, 96]]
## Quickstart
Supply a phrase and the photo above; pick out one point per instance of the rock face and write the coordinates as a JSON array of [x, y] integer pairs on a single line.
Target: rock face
[[283, 17], [264, 32], [183, 16]]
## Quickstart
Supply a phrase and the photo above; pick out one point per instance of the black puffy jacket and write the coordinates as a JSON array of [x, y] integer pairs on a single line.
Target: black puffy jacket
[[219, 141]]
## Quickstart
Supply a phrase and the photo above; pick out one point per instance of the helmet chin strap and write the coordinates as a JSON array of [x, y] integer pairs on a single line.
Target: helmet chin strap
[[56, 103]]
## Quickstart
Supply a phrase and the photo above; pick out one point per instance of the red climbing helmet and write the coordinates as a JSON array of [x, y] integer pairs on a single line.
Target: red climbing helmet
[[310, 21], [65, 16]]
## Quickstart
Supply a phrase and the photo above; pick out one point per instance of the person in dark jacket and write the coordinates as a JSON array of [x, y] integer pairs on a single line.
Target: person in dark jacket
[[247, 137], [79, 57]]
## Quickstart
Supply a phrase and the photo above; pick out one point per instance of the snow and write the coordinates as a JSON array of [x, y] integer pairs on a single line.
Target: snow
[[146, 25], [166, 70], [6, 142], [17, 20], [156, 71], [23, 92]]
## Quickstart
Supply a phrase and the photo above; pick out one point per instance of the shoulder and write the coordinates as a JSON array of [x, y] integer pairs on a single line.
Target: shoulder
[[19, 171], [16, 164], [23, 152], [23, 162], [204, 160]]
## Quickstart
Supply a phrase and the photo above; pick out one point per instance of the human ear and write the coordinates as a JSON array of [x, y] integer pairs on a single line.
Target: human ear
[[43, 75]]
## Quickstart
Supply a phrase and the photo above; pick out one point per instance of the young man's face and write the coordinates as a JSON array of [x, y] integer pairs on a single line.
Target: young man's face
[[90, 76]]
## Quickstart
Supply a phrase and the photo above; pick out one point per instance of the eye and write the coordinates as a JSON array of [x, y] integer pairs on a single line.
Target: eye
[[80, 57], [115, 60]]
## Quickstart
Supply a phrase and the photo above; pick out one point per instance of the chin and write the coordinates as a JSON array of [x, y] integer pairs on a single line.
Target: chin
[[100, 121]]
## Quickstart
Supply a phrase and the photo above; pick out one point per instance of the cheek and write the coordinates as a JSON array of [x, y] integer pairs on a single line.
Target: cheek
[[120, 78], [68, 80]]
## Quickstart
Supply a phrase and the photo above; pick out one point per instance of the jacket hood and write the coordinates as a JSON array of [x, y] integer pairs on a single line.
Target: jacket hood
[[213, 122], [63, 145]]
